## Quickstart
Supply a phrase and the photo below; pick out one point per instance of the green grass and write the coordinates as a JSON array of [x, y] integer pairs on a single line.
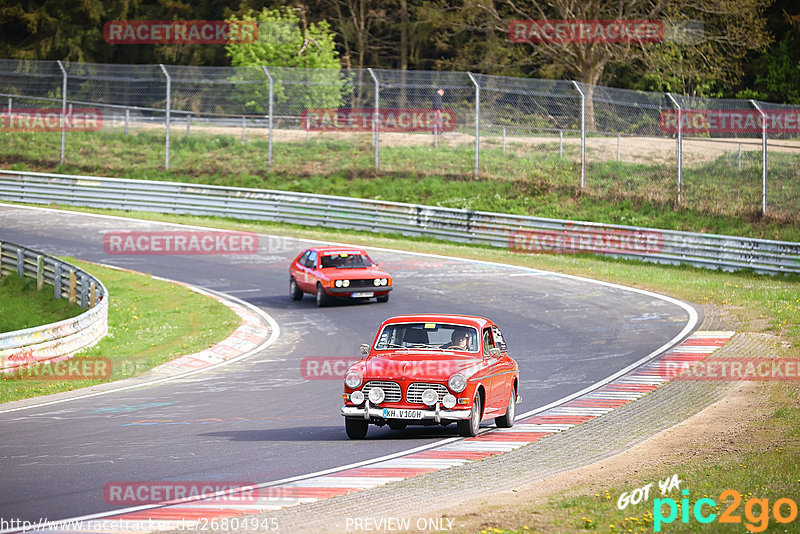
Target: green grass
[[150, 322], [533, 180], [22, 306]]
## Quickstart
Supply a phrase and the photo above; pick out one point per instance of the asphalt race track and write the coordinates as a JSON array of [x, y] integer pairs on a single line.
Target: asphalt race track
[[258, 419]]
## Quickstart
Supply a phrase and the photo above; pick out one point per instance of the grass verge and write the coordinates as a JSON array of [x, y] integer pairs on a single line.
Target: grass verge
[[760, 461], [532, 180], [22, 306], [149, 323]]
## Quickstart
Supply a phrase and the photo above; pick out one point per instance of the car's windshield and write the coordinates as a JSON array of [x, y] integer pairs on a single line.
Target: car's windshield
[[346, 260], [428, 336]]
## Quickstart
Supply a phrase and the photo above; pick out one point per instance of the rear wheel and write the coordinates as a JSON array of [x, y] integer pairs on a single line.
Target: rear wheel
[[322, 298], [356, 428], [507, 421], [295, 292], [469, 428]]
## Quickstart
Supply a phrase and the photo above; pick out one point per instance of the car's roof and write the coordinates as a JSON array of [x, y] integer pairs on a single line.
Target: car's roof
[[467, 320], [338, 250]]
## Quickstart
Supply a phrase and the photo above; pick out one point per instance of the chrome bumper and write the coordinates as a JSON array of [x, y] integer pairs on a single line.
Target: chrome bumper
[[437, 413]]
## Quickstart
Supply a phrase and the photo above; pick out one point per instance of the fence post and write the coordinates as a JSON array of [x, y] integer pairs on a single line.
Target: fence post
[[619, 142], [188, 124], [583, 132], [679, 145], [561, 143], [740, 156], [10, 116], [127, 119], [477, 122], [504, 139], [63, 108], [269, 135], [763, 157], [376, 119], [244, 129], [166, 119]]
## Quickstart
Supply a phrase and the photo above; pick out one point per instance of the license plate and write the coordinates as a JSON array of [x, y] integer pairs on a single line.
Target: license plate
[[362, 294], [400, 413]]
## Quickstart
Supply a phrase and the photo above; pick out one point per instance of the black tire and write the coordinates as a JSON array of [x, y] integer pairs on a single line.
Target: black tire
[[322, 298], [356, 428], [469, 428], [295, 292], [507, 420], [383, 298], [397, 426]]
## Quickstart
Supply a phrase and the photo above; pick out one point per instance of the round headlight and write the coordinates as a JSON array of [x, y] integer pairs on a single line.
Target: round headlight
[[448, 401], [352, 379], [429, 397], [377, 281], [345, 283], [357, 397], [376, 395], [338, 283], [384, 281], [457, 383]]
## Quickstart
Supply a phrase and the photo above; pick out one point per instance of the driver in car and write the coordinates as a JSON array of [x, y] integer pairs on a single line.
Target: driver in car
[[459, 339]]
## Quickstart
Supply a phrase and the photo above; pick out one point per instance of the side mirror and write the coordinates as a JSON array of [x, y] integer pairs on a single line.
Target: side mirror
[[364, 348], [494, 352]]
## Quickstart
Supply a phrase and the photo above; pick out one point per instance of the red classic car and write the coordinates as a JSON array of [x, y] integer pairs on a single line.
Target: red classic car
[[337, 272], [429, 370]]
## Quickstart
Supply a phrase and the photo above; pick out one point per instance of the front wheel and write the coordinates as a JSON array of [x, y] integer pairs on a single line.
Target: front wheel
[[507, 421], [469, 428], [295, 292], [356, 428], [383, 298], [322, 298]]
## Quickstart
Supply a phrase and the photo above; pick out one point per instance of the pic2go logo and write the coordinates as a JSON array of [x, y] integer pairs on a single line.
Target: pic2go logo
[[756, 511]]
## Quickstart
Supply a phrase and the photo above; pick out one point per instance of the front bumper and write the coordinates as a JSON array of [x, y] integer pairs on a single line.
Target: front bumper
[[435, 413], [346, 291]]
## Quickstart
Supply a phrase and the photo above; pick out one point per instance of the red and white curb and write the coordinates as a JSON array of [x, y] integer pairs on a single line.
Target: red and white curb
[[608, 397]]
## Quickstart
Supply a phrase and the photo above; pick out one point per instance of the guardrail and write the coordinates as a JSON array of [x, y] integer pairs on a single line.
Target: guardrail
[[519, 233], [61, 340]]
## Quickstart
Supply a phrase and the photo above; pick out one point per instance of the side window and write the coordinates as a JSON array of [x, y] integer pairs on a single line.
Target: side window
[[487, 340], [311, 261], [499, 339], [302, 260]]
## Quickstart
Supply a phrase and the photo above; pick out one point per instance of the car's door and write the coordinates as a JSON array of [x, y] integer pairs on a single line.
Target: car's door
[[311, 271], [297, 269], [505, 368], [492, 378]]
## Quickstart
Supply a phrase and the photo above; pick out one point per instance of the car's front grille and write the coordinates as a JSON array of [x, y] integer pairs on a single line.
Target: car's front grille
[[414, 393], [370, 282], [391, 389]]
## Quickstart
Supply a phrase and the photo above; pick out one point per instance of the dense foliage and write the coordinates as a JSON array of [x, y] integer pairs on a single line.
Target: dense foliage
[[748, 48]]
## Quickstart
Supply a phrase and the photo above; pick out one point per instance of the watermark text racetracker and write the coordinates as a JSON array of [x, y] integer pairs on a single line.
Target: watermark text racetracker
[[384, 120], [69, 369], [585, 31], [180, 31], [51, 120], [180, 242], [581, 239], [336, 367], [152, 492]]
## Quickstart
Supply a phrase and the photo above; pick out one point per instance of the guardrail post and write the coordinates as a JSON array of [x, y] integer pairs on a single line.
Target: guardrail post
[[84, 292], [167, 117], [763, 157], [72, 282], [57, 281], [376, 119], [583, 132], [20, 263], [269, 141], [679, 146], [477, 122], [39, 272], [63, 108], [92, 294]]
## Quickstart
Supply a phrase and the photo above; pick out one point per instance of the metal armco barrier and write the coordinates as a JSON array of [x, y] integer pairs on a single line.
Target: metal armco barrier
[[519, 233], [61, 340]]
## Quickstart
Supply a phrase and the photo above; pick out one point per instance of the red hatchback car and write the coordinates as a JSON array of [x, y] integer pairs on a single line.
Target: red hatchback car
[[337, 272], [429, 370]]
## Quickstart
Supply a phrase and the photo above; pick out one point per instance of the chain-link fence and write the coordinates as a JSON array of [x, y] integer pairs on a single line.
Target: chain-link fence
[[614, 143]]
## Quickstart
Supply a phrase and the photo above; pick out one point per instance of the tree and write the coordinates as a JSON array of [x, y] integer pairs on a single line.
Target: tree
[[730, 29], [286, 39]]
